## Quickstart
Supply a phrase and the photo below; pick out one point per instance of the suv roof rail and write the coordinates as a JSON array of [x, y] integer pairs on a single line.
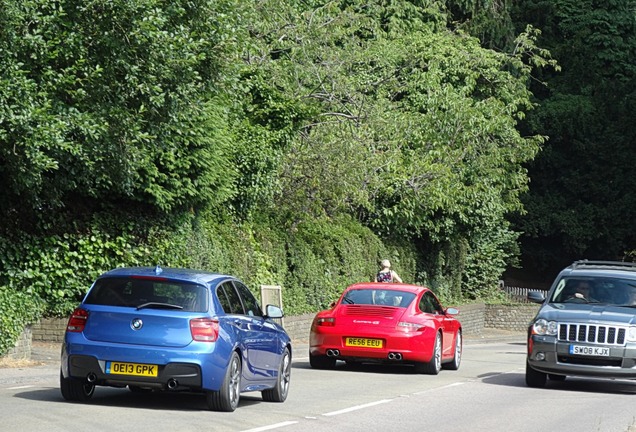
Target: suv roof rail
[[585, 263]]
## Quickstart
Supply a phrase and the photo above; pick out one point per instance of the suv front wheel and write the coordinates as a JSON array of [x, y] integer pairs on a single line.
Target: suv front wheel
[[535, 378]]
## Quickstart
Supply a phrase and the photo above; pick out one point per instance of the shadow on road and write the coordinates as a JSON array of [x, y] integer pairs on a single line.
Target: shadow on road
[[341, 366], [112, 397], [571, 384]]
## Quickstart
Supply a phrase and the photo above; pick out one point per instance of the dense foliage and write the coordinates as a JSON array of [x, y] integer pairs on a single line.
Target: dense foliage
[[109, 102], [582, 200], [19, 309], [288, 142], [408, 126]]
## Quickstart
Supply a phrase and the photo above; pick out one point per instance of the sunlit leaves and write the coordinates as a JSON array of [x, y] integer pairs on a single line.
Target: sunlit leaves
[[414, 127], [114, 100]]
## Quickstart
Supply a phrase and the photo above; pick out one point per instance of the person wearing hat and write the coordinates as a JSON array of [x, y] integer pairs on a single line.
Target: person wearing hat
[[386, 274]]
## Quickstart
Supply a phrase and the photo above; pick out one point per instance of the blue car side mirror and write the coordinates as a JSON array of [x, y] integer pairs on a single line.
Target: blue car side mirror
[[273, 311]]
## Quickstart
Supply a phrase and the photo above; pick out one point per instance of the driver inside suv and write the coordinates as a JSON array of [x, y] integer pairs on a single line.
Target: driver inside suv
[[578, 291]]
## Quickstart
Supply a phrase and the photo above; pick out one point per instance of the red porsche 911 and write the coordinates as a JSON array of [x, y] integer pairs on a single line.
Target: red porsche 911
[[390, 323]]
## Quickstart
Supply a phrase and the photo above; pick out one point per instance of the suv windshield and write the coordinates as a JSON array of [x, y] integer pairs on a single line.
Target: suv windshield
[[148, 293], [606, 290]]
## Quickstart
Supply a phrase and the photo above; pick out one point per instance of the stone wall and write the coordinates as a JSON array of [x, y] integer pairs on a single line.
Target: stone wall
[[510, 318], [474, 318], [50, 330], [22, 348], [298, 326]]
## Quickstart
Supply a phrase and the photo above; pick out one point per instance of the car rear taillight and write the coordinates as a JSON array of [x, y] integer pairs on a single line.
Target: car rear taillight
[[410, 327], [325, 322], [204, 329], [77, 321]]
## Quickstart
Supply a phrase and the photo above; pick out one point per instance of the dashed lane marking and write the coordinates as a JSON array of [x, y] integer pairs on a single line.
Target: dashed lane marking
[[357, 407]]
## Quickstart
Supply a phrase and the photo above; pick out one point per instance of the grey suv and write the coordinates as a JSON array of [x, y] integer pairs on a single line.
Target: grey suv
[[586, 325]]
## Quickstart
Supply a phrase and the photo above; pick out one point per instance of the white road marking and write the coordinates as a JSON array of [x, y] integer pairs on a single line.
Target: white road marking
[[357, 407], [273, 426], [20, 387], [439, 388]]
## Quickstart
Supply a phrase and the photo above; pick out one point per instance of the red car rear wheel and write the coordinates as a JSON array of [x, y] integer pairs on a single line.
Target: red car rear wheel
[[433, 366], [457, 355]]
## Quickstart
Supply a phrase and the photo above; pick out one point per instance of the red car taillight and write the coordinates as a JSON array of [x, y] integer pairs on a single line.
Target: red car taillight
[[77, 321], [410, 327], [325, 322], [204, 329]]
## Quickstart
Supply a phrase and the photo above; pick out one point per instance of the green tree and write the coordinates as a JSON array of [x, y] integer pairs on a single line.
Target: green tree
[[113, 102], [275, 140], [582, 201], [414, 127], [488, 20]]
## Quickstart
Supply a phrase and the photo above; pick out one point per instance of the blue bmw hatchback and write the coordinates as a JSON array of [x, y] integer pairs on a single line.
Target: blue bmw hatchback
[[175, 330]]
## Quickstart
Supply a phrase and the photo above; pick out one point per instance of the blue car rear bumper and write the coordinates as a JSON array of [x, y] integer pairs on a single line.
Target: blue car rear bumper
[[173, 376], [195, 368]]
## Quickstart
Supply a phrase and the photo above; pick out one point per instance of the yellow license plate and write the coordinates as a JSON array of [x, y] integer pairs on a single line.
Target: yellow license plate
[[136, 369], [363, 342]]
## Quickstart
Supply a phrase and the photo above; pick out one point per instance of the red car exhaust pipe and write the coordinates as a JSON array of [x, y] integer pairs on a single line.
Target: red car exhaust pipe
[[395, 356]]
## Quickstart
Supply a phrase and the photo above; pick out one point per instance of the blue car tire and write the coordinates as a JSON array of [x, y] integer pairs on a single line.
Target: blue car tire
[[279, 393], [227, 398], [75, 390]]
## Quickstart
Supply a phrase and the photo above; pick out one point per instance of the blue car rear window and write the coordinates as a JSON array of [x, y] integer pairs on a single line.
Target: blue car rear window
[[148, 293]]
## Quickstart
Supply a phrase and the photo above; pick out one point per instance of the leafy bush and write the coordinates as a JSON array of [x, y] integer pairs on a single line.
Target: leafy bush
[[324, 256], [17, 310], [59, 269], [312, 263]]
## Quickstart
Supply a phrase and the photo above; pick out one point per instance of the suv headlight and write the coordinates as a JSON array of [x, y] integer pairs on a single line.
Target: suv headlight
[[631, 334], [544, 327]]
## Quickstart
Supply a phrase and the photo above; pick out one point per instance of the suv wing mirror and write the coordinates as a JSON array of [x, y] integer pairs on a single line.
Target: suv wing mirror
[[536, 297]]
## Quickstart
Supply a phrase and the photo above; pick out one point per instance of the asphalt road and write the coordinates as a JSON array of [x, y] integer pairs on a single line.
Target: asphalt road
[[487, 393]]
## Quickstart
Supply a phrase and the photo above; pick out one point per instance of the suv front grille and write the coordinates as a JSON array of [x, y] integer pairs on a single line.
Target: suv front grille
[[592, 333]]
